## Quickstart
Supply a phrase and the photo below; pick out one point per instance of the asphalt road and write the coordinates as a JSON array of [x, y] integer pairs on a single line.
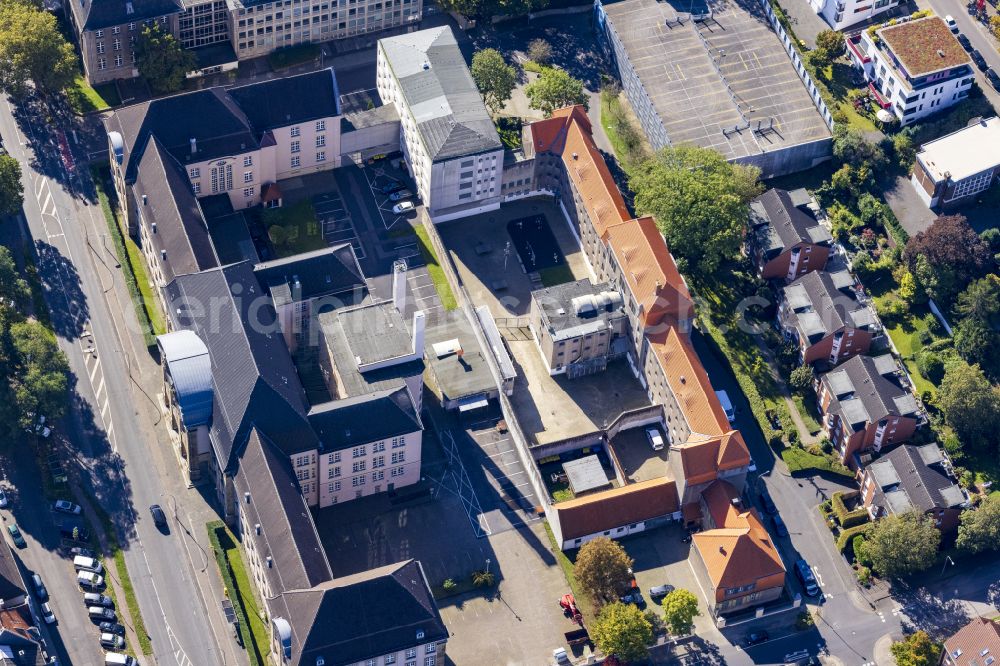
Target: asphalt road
[[78, 271]]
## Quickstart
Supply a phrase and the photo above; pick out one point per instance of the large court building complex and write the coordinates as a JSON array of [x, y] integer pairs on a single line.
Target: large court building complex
[[715, 76]]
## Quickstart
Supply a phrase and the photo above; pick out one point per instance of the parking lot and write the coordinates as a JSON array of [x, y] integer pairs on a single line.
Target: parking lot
[[385, 175], [338, 227]]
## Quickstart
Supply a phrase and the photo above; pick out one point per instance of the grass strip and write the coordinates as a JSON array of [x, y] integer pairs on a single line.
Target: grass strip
[[83, 98], [554, 275], [253, 633], [142, 306], [435, 270], [583, 601], [800, 460]]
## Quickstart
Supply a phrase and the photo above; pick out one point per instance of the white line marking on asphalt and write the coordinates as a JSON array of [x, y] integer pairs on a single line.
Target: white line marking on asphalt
[[93, 372], [100, 387], [104, 410]]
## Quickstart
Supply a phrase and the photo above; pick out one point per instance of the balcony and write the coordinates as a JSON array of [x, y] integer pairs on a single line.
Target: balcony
[[854, 46], [882, 101]]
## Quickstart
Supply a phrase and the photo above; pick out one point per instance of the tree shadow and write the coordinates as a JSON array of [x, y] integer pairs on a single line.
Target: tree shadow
[[60, 280], [938, 616]]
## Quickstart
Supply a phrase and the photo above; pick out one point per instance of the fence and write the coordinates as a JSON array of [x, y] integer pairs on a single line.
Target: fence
[[937, 313], [793, 54]]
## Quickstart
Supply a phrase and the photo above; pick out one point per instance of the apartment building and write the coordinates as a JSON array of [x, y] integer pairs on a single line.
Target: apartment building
[[449, 142], [958, 167], [169, 153], [913, 478], [866, 408], [914, 68], [785, 241], [842, 14], [821, 313], [222, 32]]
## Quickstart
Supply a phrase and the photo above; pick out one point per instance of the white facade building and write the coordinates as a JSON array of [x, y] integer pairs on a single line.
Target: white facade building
[[842, 14], [448, 139], [915, 68]]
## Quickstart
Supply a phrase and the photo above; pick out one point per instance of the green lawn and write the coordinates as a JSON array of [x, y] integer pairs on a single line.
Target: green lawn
[[293, 55], [800, 460], [583, 601], [554, 275], [807, 410], [83, 98], [239, 589], [435, 270], [133, 604], [149, 301], [299, 230]]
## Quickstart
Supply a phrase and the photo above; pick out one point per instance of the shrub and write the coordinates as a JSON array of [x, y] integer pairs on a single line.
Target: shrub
[[540, 51], [804, 620], [863, 265], [864, 576], [858, 545], [930, 366], [483, 578], [846, 538], [992, 236], [826, 446], [448, 585], [846, 518], [801, 378]]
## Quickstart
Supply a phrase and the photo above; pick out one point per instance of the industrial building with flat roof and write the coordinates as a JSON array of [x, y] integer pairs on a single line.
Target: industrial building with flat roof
[[719, 78]]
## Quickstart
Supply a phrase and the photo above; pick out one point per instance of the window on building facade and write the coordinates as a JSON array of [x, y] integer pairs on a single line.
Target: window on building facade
[[358, 466], [378, 447], [118, 61], [320, 125], [389, 659], [321, 141], [248, 176], [358, 481], [100, 47], [358, 452], [295, 147], [295, 131], [399, 442], [248, 160], [334, 457], [378, 461], [295, 162], [117, 44], [116, 30], [197, 188], [99, 33], [378, 475], [102, 63], [398, 457], [321, 156], [411, 653], [333, 472], [396, 471]]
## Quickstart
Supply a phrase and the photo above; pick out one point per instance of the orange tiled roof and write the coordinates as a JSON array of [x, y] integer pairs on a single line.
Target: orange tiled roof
[[980, 634], [689, 382], [650, 270], [702, 456], [633, 503], [740, 551]]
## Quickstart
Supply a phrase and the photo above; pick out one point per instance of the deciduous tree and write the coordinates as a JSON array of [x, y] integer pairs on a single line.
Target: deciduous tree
[[979, 529], [33, 49], [902, 544], [829, 45], [554, 89], [40, 378], [494, 78], [11, 189], [603, 569], [954, 255], [700, 201], [161, 60], [801, 378], [680, 608], [540, 51], [12, 285], [622, 630], [917, 649], [971, 405]]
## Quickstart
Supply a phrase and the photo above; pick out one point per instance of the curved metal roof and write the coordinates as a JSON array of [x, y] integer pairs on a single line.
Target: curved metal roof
[[190, 369]]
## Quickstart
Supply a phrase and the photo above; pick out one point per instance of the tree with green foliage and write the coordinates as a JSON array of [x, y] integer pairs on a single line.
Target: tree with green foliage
[[851, 146], [41, 372], [33, 49], [539, 51], [12, 285], [904, 150], [931, 366], [622, 630], [553, 89], [971, 405], [946, 257], [700, 202], [979, 528], [11, 189], [162, 62], [829, 46], [485, 9], [801, 378], [680, 608], [603, 569], [980, 300], [902, 544], [917, 649], [494, 78], [978, 343]]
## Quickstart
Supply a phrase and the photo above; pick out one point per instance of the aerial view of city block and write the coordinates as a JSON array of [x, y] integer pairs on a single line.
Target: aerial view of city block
[[499, 332]]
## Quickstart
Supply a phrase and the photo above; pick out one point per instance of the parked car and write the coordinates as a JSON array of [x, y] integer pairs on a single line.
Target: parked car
[[88, 580], [47, 614], [755, 638], [727, 405], [779, 526], [113, 641], [40, 591], [655, 439], [993, 78], [97, 599], [394, 186], [560, 656], [978, 58], [950, 22], [633, 597], [964, 41], [4, 502], [807, 578], [660, 591], [399, 196], [159, 518], [15, 534], [101, 613], [403, 207], [769, 505], [88, 564], [79, 551], [66, 507], [118, 659], [111, 628], [41, 429]]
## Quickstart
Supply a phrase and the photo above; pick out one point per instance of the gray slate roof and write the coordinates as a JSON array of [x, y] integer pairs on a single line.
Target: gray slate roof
[[906, 482], [823, 303], [11, 583], [342, 424], [785, 224], [255, 381], [289, 100], [287, 533], [438, 89], [358, 617], [324, 272], [864, 393], [96, 14]]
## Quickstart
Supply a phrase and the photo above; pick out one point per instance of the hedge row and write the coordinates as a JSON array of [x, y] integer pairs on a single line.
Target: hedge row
[[894, 228], [846, 538], [234, 593], [848, 519]]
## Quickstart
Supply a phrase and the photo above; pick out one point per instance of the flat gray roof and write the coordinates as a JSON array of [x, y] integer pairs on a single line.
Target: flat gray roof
[[718, 74], [585, 474], [458, 376]]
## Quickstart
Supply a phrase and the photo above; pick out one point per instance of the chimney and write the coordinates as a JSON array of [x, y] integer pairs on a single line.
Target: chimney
[[296, 289], [399, 285], [144, 200], [194, 145], [418, 332]]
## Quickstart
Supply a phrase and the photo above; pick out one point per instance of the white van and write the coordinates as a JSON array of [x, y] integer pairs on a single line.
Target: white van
[[727, 405], [87, 564], [89, 580], [118, 659]]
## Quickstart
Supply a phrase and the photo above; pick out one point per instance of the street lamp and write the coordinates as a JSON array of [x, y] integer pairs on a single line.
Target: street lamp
[[487, 565], [943, 567]]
